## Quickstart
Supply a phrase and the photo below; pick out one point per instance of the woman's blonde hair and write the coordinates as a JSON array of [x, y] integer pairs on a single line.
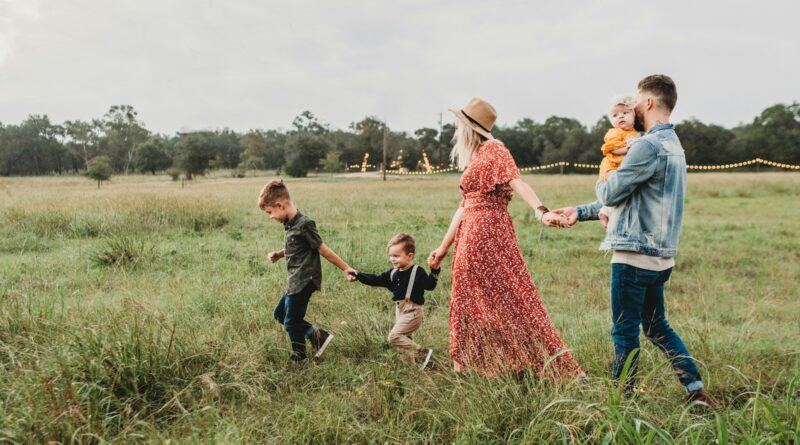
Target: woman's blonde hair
[[466, 141]]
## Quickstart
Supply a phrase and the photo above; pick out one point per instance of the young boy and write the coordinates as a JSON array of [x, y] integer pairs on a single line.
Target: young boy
[[616, 141], [302, 248], [408, 284]]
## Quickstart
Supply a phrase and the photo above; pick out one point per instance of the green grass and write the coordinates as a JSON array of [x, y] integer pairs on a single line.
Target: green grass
[[142, 312]]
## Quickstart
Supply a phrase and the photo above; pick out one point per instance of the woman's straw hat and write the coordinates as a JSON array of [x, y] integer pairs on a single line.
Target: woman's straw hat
[[478, 115]]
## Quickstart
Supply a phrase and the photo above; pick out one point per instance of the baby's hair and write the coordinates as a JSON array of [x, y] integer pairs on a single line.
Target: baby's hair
[[273, 192], [626, 100], [405, 239]]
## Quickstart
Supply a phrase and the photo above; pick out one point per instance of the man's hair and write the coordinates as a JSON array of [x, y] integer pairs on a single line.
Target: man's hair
[[662, 87], [405, 239], [273, 192]]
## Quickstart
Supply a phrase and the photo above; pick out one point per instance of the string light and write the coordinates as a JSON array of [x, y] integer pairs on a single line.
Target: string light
[[433, 171]]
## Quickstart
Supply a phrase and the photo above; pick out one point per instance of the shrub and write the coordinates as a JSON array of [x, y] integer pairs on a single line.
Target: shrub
[[121, 251], [174, 173], [99, 169]]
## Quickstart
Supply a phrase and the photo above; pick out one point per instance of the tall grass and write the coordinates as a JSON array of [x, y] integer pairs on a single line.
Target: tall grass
[[142, 312]]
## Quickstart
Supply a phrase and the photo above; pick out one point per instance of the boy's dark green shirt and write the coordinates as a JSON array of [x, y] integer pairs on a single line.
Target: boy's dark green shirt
[[301, 248]]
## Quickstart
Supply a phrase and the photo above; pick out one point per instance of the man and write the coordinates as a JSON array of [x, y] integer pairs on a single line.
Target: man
[[648, 188]]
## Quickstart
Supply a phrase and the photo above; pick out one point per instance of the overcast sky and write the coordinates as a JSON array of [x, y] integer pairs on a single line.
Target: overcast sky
[[243, 64]]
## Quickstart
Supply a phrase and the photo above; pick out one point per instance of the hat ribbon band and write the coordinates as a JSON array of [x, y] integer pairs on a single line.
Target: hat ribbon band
[[474, 121]]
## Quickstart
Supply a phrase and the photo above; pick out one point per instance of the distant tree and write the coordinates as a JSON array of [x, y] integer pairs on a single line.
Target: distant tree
[[561, 139], [520, 141], [123, 131], [81, 139], [589, 152], [331, 162], [346, 143], [33, 148], [303, 152], [254, 150], [704, 143], [773, 135], [398, 142], [151, 155], [275, 141], [194, 152], [37, 146], [445, 144], [308, 123], [369, 138], [227, 148], [428, 140], [99, 169]]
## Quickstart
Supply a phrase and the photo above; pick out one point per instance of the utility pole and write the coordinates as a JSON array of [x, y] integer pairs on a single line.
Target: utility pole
[[384, 150], [439, 148]]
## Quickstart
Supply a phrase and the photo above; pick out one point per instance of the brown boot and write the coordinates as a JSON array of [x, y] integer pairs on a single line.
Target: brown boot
[[703, 397]]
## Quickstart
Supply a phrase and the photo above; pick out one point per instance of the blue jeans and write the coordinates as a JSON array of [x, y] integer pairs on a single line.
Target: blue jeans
[[291, 312], [637, 298]]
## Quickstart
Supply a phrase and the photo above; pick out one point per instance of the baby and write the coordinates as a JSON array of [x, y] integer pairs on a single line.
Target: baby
[[617, 140]]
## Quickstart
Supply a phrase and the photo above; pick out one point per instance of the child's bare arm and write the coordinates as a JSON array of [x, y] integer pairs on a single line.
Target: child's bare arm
[[620, 151], [276, 255], [334, 259]]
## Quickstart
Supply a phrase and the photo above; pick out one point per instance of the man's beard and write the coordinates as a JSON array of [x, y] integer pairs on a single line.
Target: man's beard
[[638, 121]]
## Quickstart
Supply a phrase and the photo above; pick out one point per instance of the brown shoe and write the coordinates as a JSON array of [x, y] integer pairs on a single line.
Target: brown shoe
[[701, 396], [320, 340]]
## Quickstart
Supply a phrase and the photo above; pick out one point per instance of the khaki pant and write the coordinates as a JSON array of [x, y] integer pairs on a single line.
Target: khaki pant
[[408, 318]]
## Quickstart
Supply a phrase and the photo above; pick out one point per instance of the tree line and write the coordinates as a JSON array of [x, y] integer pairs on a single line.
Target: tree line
[[123, 144]]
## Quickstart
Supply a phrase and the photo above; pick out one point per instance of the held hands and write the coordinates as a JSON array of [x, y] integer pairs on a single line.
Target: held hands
[[553, 219], [350, 274], [436, 257], [567, 217]]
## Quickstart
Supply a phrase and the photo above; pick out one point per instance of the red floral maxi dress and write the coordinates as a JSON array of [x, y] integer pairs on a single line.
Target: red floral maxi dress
[[498, 324]]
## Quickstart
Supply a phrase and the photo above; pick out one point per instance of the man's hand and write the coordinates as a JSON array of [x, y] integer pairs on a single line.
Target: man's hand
[[603, 219], [436, 257], [570, 214], [350, 274], [275, 256]]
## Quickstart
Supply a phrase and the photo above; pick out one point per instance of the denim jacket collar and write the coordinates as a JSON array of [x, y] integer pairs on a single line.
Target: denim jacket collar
[[659, 127]]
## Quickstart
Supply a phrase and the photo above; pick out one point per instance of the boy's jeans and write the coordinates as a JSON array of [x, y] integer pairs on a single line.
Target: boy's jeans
[[291, 312], [637, 297]]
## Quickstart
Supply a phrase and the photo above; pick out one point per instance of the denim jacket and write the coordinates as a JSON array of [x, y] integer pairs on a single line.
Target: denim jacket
[[648, 190]]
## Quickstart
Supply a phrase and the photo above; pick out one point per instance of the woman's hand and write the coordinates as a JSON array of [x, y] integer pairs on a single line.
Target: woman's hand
[[436, 257]]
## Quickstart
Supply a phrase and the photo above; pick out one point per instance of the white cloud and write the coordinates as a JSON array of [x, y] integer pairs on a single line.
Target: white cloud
[[12, 12]]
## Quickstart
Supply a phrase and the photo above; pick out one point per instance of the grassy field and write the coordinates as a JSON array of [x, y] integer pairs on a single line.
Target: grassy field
[[142, 312]]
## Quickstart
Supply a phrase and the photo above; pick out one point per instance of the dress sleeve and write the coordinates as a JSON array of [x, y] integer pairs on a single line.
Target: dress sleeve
[[500, 168]]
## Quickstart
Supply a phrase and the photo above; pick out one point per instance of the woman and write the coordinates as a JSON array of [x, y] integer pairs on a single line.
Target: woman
[[498, 324]]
